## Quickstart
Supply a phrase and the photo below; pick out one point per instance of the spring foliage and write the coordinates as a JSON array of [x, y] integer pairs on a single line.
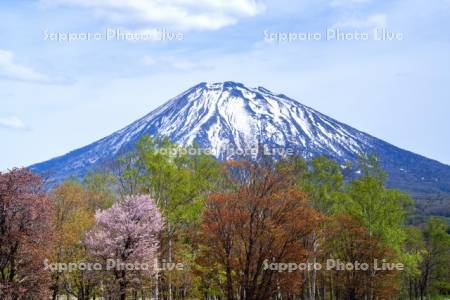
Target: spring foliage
[[225, 221]]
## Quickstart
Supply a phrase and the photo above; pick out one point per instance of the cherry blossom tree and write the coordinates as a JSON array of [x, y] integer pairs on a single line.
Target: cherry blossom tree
[[125, 240]]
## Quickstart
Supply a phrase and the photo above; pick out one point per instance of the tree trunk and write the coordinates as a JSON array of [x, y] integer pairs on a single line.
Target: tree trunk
[[230, 295], [314, 272]]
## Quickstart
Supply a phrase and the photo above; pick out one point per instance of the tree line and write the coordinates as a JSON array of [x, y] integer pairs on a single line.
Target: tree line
[[181, 225]]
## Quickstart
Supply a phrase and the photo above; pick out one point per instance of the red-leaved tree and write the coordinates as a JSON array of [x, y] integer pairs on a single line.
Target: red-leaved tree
[[348, 241], [262, 219], [25, 236]]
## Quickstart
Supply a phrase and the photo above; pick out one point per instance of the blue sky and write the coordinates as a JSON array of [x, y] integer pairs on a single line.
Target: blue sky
[[58, 96]]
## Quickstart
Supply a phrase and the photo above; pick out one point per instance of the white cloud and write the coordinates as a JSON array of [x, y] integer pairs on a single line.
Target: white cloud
[[182, 14], [12, 122], [372, 21], [10, 69]]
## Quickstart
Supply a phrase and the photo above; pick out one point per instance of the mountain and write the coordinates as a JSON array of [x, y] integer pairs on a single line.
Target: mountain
[[230, 119]]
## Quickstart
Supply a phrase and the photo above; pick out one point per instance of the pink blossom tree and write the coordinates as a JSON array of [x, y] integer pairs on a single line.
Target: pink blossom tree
[[125, 240]]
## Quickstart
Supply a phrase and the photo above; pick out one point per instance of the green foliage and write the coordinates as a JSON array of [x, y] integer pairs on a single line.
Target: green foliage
[[414, 250], [177, 179], [437, 258], [382, 211], [180, 179], [100, 188], [324, 183]]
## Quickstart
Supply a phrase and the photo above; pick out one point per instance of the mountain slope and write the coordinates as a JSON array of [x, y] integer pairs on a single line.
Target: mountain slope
[[231, 119]]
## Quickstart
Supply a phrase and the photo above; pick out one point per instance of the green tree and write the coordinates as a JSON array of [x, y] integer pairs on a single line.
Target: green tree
[[100, 190], [381, 210], [324, 183], [322, 180], [414, 250], [435, 277], [179, 179]]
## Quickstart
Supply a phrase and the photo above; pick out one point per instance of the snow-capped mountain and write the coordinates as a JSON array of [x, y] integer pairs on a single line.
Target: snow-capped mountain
[[230, 119]]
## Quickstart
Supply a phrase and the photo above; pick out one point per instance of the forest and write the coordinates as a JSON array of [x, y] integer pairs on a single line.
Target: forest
[[172, 225]]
